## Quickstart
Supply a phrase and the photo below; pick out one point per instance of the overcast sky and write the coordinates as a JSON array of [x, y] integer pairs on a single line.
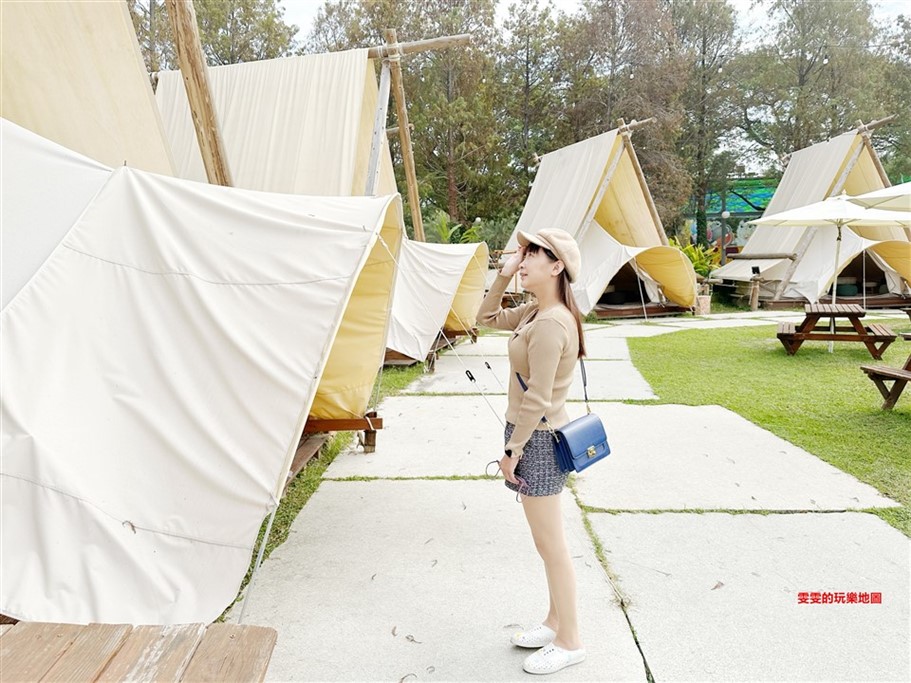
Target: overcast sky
[[752, 21]]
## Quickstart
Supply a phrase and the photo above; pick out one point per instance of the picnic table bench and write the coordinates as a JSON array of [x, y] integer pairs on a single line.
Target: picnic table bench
[[880, 374], [875, 337], [35, 651]]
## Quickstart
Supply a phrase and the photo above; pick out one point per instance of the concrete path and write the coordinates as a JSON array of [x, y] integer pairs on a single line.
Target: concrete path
[[396, 571]]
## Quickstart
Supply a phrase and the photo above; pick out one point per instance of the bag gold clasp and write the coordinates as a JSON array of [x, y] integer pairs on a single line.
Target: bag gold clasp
[[591, 452]]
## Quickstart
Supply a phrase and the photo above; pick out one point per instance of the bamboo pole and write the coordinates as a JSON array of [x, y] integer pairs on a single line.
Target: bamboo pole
[[398, 93], [196, 81], [387, 50], [625, 130]]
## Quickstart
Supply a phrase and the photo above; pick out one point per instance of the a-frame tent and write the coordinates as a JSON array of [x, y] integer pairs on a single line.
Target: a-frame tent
[[154, 387], [798, 262], [595, 190], [304, 125], [438, 290]]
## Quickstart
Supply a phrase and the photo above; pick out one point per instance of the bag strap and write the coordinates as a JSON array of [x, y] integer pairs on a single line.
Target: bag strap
[[588, 408]]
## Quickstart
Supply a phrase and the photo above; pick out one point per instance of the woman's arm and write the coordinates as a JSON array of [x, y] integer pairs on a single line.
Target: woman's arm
[[492, 314]]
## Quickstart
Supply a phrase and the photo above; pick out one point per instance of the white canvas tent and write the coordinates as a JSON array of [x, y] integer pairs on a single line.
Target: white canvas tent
[[304, 125], [72, 73], [593, 190], [438, 287], [154, 388], [846, 163], [301, 125]]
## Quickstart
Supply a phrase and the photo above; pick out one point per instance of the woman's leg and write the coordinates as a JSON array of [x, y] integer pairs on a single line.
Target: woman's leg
[[546, 523]]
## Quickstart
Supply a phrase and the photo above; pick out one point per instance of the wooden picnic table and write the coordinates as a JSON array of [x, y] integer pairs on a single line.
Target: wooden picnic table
[[880, 374], [826, 322], [34, 651]]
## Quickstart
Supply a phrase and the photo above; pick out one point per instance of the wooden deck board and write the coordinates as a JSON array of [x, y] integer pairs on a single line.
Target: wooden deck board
[[155, 653], [90, 652], [242, 651], [29, 650]]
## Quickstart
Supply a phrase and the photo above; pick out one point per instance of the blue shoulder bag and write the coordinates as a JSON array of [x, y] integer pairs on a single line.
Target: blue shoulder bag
[[582, 442]]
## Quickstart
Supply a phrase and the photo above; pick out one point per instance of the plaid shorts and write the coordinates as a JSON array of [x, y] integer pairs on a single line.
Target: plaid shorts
[[538, 466]]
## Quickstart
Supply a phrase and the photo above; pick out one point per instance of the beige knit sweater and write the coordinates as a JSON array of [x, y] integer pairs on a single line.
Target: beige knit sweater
[[543, 350]]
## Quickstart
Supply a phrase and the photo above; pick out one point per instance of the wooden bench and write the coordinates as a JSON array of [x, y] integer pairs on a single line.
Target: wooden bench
[[35, 651], [875, 337], [880, 374]]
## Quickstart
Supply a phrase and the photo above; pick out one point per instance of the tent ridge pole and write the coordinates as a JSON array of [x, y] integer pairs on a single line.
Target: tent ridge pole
[[626, 132], [398, 93]]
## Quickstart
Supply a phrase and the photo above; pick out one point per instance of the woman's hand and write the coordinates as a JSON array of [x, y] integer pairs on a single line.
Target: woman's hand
[[511, 267], [508, 468]]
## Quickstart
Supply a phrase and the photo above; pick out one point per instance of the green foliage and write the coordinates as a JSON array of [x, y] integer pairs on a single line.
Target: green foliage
[[441, 230], [704, 259], [817, 400], [231, 31]]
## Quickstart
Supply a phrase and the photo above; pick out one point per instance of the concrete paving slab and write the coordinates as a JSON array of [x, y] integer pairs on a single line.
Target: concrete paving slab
[[631, 330], [427, 580], [488, 345], [612, 380], [598, 347], [710, 324], [714, 597], [427, 436], [670, 457]]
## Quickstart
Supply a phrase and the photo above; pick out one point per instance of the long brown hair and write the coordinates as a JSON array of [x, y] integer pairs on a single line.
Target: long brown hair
[[566, 294]]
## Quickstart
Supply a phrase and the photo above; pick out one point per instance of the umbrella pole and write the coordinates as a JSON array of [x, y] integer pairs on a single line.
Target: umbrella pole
[[835, 284]]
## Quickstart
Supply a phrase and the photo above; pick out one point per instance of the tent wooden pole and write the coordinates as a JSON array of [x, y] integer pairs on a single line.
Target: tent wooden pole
[[626, 131], [398, 93], [196, 81], [839, 183], [383, 51]]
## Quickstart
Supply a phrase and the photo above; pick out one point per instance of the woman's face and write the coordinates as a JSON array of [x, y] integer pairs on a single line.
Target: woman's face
[[537, 270]]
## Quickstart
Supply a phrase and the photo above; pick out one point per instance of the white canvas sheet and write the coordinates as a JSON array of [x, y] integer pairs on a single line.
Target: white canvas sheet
[[565, 186], [299, 125], [427, 279], [45, 188], [811, 173], [157, 372], [72, 73]]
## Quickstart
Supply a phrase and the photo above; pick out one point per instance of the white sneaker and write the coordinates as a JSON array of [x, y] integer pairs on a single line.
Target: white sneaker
[[551, 658], [535, 637]]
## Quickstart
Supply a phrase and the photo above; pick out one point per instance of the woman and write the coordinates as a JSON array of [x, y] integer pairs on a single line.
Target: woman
[[544, 349]]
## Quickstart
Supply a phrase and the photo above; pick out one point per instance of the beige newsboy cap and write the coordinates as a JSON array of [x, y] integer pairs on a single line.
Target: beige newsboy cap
[[561, 243]]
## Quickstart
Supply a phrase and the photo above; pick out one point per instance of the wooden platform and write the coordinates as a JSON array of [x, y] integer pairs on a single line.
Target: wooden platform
[[605, 311], [35, 651]]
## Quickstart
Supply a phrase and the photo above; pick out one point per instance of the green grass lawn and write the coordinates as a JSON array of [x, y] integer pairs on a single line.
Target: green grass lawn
[[818, 401]]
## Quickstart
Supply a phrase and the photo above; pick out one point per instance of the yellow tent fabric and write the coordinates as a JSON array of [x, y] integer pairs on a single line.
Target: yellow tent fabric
[[463, 312], [359, 347], [72, 73]]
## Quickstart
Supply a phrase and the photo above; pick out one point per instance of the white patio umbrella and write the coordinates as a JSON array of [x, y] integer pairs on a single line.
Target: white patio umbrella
[[895, 198], [837, 211]]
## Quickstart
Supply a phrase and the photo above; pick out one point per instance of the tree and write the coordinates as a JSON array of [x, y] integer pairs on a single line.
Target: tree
[[706, 35], [231, 31], [816, 80]]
